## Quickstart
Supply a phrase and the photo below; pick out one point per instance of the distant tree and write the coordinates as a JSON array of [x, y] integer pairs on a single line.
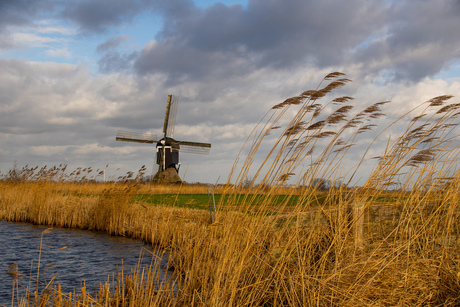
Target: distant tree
[[321, 184], [338, 183]]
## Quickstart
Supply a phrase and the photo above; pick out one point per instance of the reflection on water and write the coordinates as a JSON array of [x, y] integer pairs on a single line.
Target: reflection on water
[[73, 256]]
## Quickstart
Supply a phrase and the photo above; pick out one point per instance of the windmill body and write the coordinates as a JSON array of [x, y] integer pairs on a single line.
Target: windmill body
[[167, 148], [167, 153]]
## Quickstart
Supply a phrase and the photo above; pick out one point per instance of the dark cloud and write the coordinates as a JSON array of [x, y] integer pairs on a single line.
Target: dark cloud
[[228, 64], [111, 43], [16, 13], [114, 61], [419, 40], [229, 40], [182, 63], [98, 16], [174, 11], [397, 39], [400, 39], [21, 12]]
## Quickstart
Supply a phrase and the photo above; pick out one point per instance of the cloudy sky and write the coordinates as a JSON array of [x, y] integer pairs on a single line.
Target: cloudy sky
[[74, 72]]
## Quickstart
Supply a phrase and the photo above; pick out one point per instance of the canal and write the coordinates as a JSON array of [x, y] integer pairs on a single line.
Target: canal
[[72, 256]]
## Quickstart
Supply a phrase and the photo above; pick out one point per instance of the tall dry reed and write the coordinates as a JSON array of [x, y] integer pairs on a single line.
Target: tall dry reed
[[344, 246]]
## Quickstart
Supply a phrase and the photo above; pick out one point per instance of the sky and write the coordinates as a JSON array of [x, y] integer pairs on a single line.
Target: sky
[[74, 72]]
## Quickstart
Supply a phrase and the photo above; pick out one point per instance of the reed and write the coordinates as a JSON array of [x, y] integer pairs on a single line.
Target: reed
[[343, 246]]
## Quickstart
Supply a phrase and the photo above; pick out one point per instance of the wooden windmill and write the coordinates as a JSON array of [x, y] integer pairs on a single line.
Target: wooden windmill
[[167, 148]]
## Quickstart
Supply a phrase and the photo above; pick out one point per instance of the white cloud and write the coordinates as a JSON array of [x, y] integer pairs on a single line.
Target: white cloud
[[216, 132], [59, 53], [56, 29], [32, 40], [76, 115], [229, 65], [94, 148], [48, 151]]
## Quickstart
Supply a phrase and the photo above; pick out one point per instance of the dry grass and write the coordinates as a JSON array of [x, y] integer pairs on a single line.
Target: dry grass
[[359, 247]]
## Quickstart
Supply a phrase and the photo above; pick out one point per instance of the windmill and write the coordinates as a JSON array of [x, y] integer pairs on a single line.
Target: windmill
[[167, 148]]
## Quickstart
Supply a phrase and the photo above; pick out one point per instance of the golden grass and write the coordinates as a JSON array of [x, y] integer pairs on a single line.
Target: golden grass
[[360, 247]]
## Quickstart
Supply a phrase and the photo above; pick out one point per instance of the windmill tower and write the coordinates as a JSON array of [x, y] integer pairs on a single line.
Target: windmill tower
[[167, 148]]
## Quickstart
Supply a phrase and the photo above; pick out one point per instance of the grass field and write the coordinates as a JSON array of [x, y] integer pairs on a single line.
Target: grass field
[[274, 244]]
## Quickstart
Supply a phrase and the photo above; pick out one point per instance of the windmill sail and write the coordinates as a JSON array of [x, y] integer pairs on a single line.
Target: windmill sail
[[136, 137], [193, 147], [170, 116], [195, 150]]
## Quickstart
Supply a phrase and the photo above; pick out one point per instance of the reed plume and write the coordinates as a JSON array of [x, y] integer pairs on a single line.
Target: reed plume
[[284, 238]]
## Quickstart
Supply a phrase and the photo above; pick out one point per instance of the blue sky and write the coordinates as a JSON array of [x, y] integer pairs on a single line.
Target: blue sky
[[73, 72], [59, 41]]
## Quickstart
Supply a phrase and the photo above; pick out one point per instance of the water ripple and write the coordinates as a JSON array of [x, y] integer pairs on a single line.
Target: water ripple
[[73, 256]]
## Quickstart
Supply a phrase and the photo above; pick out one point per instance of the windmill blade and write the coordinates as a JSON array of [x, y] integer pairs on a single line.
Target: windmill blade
[[170, 116], [127, 136], [193, 147], [195, 150]]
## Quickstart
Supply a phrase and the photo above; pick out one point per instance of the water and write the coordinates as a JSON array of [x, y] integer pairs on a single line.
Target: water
[[73, 256]]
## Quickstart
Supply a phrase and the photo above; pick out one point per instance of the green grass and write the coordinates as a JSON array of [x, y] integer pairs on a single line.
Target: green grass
[[192, 201], [201, 201]]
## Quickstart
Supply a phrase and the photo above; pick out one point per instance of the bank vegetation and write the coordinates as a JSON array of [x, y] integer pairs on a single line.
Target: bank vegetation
[[394, 241]]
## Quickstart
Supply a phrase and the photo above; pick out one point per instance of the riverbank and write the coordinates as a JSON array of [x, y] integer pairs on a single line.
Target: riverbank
[[393, 241], [303, 257], [70, 257]]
